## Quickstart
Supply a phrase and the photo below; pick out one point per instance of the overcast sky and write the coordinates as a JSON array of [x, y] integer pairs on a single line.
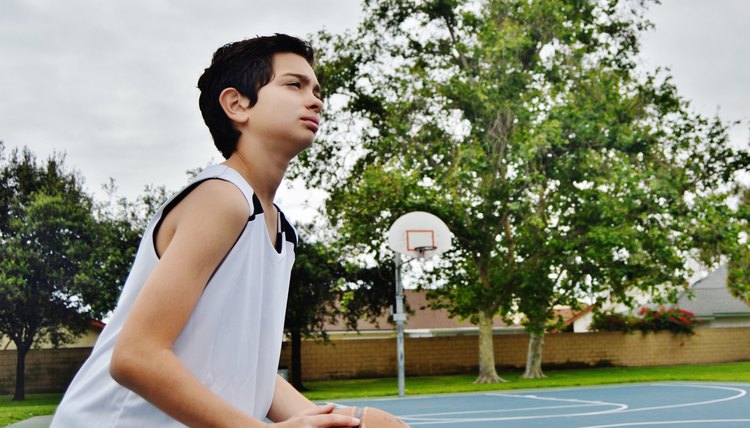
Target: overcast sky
[[112, 83]]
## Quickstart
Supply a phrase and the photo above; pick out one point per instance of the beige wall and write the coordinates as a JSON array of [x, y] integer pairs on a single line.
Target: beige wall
[[459, 354], [47, 370], [52, 369], [87, 340]]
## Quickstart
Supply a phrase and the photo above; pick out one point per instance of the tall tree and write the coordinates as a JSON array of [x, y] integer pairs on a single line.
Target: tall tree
[[326, 287], [118, 226], [561, 169], [314, 289], [739, 249], [45, 230], [723, 236], [57, 260]]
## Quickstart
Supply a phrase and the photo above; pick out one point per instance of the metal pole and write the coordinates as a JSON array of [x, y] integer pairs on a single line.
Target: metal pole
[[399, 316]]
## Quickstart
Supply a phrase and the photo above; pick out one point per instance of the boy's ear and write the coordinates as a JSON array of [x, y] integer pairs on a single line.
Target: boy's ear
[[235, 105]]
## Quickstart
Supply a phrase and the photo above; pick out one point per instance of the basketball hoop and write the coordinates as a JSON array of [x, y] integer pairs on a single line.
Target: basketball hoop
[[419, 235], [423, 251]]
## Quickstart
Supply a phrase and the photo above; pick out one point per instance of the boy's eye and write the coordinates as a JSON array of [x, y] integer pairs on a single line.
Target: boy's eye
[[295, 84]]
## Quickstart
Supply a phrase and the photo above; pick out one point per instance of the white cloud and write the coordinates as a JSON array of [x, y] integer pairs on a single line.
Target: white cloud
[[112, 83]]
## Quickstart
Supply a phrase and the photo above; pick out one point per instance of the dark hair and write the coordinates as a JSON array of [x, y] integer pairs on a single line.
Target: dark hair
[[246, 66]]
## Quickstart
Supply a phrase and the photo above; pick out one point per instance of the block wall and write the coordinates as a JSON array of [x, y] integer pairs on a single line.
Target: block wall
[[49, 370], [459, 354]]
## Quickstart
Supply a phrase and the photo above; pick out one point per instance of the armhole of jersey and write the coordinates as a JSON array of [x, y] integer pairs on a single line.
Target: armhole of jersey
[[178, 198], [287, 229]]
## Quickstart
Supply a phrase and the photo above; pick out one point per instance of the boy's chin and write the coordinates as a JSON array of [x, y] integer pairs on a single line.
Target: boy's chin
[[302, 146]]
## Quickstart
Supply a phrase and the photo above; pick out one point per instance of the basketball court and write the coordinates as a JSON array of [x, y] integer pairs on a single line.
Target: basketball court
[[669, 404]]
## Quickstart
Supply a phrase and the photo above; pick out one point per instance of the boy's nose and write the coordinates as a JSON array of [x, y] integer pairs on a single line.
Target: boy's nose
[[316, 104]]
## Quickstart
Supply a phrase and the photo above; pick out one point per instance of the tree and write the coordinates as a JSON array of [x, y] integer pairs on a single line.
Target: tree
[[314, 289], [738, 241], [325, 287], [58, 262], [723, 236], [118, 225], [562, 170]]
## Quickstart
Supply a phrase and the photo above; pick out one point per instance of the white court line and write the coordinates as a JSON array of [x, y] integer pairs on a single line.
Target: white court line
[[705, 421], [517, 418], [472, 412], [741, 393], [536, 397], [622, 408]]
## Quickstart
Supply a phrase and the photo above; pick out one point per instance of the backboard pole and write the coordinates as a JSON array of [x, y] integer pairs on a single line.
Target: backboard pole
[[399, 316]]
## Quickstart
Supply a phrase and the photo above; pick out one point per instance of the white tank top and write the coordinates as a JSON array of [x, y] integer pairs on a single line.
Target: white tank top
[[231, 342]]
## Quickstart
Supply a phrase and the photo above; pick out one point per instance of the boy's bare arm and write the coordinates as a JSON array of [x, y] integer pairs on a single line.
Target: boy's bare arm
[[294, 409], [206, 225], [287, 401], [203, 228]]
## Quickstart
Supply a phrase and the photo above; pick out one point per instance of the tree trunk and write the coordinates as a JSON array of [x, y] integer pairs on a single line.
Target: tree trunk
[[487, 372], [296, 380], [20, 393], [534, 357]]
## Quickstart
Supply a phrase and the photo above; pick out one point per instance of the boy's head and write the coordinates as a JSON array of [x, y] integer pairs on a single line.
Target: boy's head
[[247, 66]]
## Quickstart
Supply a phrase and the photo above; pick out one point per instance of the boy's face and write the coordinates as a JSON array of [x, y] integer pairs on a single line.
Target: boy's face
[[287, 113]]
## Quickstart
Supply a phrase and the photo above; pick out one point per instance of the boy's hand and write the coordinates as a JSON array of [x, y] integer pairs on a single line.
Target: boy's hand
[[319, 417]]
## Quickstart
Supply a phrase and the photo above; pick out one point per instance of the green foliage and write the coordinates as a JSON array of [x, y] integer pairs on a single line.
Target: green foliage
[[118, 225], [34, 405], [562, 170], [667, 318], [613, 321], [663, 319], [46, 234], [737, 249], [62, 257], [356, 388], [325, 287]]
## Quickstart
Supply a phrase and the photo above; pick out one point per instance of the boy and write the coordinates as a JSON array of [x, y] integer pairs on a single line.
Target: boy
[[196, 336]]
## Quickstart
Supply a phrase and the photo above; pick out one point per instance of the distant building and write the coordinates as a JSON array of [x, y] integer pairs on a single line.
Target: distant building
[[87, 340], [713, 303], [709, 299], [422, 321]]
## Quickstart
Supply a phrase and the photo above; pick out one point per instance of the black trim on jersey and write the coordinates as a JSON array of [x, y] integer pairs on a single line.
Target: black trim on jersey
[[180, 196], [257, 207], [288, 230]]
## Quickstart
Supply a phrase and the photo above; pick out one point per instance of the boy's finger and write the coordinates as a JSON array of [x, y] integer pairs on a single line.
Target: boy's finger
[[318, 410], [334, 420]]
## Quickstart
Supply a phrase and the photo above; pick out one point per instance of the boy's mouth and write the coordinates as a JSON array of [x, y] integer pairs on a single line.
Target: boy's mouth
[[313, 122]]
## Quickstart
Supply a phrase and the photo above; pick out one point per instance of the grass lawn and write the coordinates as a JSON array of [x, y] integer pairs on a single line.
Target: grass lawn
[[34, 405], [329, 390], [45, 404]]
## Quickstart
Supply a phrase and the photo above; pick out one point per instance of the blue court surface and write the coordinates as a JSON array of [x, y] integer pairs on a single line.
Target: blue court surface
[[668, 404]]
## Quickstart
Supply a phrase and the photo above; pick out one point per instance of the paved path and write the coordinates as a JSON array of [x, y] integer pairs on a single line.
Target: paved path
[[35, 422]]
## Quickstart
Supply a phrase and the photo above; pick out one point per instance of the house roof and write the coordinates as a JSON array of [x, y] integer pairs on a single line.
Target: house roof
[[421, 316], [712, 298]]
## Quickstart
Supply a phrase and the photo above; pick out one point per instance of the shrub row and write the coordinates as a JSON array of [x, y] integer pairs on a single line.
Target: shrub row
[[665, 318]]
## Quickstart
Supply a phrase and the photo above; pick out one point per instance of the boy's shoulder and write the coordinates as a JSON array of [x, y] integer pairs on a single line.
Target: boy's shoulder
[[210, 198], [220, 188]]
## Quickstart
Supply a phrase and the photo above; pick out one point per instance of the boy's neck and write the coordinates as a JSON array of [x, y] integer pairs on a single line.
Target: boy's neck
[[261, 170]]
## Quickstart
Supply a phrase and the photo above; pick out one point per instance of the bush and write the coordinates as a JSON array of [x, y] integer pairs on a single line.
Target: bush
[[672, 319], [613, 321]]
